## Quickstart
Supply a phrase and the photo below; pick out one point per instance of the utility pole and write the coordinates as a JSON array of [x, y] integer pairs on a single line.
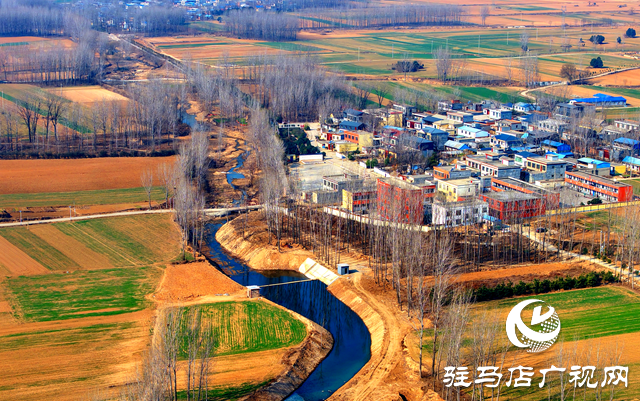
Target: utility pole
[[21, 216]]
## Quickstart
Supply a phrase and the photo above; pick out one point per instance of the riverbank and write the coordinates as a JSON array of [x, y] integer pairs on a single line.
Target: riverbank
[[390, 373], [284, 369], [246, 238]]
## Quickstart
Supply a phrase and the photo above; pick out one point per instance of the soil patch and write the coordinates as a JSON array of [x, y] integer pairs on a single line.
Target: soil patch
[[193, 280]]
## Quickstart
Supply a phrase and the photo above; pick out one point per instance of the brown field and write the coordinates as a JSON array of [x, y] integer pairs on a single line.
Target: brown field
[[626, 78], [37, 176], [18, 39], [87, 95], [14, 262], [63, 360], [36, 42], [220, 47]]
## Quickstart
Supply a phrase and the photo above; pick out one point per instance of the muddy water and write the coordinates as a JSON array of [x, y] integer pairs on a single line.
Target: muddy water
[[352, 341]]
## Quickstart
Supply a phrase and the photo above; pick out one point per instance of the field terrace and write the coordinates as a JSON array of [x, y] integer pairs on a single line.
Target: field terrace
[[78, 301]]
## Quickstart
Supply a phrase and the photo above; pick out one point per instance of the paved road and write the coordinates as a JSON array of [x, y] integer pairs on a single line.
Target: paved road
[[208, 212]]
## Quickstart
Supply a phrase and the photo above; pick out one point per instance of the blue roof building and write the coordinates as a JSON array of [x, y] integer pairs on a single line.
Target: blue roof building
[[601, 99], [351, 125], [627, 142], [558, 147], [456, 145], [632, 162]]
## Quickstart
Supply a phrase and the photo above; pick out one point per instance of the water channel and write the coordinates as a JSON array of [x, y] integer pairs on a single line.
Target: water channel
[[352, 341]]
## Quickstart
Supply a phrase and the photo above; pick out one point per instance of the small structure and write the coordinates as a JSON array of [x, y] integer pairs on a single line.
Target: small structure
[[253, 291], [343, 268]]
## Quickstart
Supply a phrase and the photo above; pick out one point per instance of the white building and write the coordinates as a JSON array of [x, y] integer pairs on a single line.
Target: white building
[[459, 213], [471, 132]]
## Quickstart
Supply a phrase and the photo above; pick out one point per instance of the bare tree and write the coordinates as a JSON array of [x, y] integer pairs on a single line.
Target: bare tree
[[443, 63], [380, 92], [485, 11], [147, 183], [29, 112]]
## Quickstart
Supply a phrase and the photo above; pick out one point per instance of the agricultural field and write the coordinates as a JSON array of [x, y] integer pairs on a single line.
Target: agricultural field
[[82, 98], [75, 306], [94, 244], [372, 52], [63, 296], [87, 95], [590, 332], [241, 327], [81, 198], [590, 319], [79, 182], [251, 339], [35, 42]]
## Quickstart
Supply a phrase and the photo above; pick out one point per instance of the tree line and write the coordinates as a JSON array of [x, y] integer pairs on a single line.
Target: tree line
[[360, 17], [271, 26], [508, 289]]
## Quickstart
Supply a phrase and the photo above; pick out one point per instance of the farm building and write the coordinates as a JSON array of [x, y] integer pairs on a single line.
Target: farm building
[[600, 99]]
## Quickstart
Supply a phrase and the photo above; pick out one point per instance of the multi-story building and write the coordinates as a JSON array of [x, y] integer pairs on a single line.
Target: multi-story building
[[498, 114], [544, 168], [599, 187], [471, 132], [339, 182], [459, 189], [551, 198], [458, 213], [446, 172], [492, 168], [460, 116], [359, 201], [512, 205], [400, 201]]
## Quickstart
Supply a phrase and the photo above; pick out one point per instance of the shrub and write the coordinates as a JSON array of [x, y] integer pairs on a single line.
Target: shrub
[[596, 62], [584, 251]]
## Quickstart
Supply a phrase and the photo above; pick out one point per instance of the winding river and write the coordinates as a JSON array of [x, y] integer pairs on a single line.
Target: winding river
[[352, 341]]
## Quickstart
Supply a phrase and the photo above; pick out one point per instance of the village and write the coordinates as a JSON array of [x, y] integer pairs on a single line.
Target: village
[[475, 163]]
